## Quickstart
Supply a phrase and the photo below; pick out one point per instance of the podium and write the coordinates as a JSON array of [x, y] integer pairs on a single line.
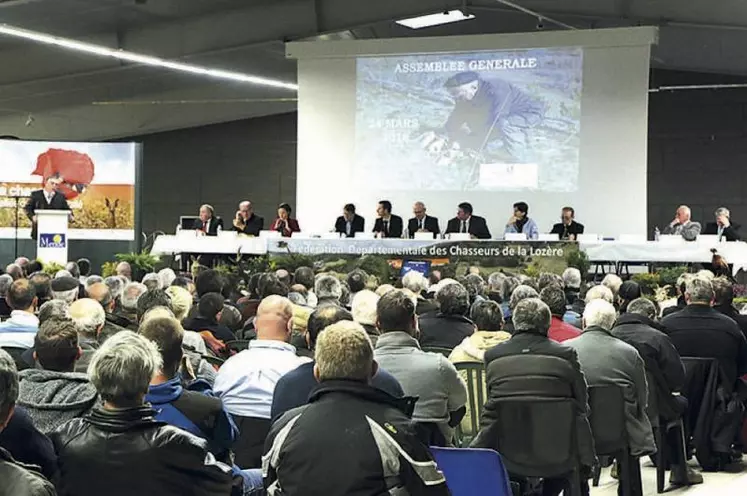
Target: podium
[[52, 239]]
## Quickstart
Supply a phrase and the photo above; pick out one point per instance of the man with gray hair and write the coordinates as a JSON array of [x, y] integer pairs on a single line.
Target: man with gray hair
[[599, 292], [418, 284], [17, 478], [5, 282], [14, 270], [152, 281], [65, 288], [606, 360], [556, 373], [698, 330], [160, 459], [450, 326], [89, 319], [613, 283], [666, 378], [723, 227], [344, 411], [123, 269], [328, 290], [131, 293], [682, 225]]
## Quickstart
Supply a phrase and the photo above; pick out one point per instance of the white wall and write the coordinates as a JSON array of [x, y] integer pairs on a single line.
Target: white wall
[[611, 198]]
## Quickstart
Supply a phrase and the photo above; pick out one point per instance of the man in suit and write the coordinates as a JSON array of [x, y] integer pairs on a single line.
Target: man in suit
[[465, 222], [246, 221], [208, 223], [683, 225], [47, 198], [421, 222], [387, 225], [349, 222], [724, 227], [568, 228]]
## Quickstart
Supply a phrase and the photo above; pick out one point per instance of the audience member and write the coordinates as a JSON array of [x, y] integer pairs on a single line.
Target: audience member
[[152, 281], [345, 295], [130, 294], [346, 411], [665, 377], [54, 394], [194, 348], [65, 288], [63, 273], [5, 282], [17, 479], [723, 291], [531, 352], [209, 310], [209, 281], [681, 287], [150, 299], [700, 331], [181, 301], [364, 313], [607, 360], [74, 269], [450, 326], [19, 330], [572, 287], [42, 284], [599, 292], [166, 277], [384, 289], [294, 388], [554, 297], [546, 279], [113, 324], [246, 382], [629, 291], [84, 267], [15, 271], [89, 320], [613, 283], [328, 290], [357, 280], [53, 308], [429, 376], [123, 269], [519, 293], [166, 460], [418, 284]]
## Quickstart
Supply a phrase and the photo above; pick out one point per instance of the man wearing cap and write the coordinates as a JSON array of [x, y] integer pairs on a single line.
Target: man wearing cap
[[486, 111], [65, 288]]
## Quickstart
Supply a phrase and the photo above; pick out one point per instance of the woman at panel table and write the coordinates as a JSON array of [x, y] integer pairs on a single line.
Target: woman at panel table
[[284, 224]]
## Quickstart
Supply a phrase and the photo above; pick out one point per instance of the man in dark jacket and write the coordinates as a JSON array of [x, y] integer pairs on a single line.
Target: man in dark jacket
[[293, 389], [666, 376], [349, 222], [143, 456], [531, 352], [345, 411], [700, 331], [448, 327], [209, 310], [723, 291], [723, 227], [16, 479], [47, 198]]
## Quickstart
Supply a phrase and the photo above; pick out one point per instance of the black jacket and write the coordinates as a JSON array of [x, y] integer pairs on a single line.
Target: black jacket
[[731, 233], [27, 445], [444, 331], [425, 306], [127, 452], [563, 231], [681, 303], [21, 480], [253, 225], [701, 331], [395, 227], [357, 225], [478, 227], [212, 228], [530, 364], [350, 440], [662, 360], [731, 312], [430, 224], [37, 201], [199, 324]]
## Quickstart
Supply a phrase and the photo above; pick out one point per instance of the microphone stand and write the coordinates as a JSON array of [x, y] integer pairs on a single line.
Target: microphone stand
[[15, 224]]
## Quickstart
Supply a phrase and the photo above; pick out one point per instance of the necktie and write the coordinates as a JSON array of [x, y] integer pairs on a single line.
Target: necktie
[[386, 227], [464, 227], [347, 227], [421, 224]]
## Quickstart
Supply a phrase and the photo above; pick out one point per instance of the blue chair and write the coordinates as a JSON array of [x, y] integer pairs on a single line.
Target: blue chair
[[473, 472]]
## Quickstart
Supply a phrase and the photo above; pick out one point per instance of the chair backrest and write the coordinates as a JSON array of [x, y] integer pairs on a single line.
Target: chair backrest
[[473, 472], [435, 349], [475, 390], [607, 419], [697, 373], [536, 436]]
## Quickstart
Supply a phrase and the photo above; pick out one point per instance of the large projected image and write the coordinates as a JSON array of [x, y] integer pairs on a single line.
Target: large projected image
[[98, 181], [488, 121]]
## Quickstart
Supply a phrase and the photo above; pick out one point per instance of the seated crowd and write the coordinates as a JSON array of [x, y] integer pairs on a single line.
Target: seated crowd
[[305, 384]]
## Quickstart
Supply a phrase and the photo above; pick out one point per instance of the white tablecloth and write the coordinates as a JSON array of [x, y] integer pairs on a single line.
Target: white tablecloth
[[190, 243]]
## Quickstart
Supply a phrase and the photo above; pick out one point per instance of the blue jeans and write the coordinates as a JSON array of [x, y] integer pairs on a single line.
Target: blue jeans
[[253, 483]]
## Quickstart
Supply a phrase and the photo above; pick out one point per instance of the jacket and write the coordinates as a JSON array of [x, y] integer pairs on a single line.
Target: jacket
[[285, 227], [212, 230], [27, 445], [608, 360], [429, 222], [689, 230], [476, 226], [21, 480], [438, 330], [472, 350], [367, 444], [52, 398], [37, 201], [394, 230], [251, 227], [200, 414], [730, 233], [561, 331], [529, 228], [199, 323], [294, 388], [358, 224], [429, 376], [731, 312], [160, 459], [509, 366], [564, 231], [425, 306], [701, 331]]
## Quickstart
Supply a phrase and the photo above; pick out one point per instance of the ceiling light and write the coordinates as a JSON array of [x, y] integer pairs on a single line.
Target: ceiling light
[[137, 58], [435, 19]]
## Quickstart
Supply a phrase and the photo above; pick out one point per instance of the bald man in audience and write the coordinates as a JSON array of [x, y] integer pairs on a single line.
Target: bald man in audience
[[124, 270], [422, 222]]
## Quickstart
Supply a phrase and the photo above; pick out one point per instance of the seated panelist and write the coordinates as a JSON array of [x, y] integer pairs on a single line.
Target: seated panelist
[[284, 224], [208, 224]]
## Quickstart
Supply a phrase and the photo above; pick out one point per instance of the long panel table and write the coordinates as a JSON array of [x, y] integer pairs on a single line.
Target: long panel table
[[603, 251]]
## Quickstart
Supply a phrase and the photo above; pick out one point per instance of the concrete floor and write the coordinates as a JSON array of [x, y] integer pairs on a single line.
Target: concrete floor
[[731, 483]]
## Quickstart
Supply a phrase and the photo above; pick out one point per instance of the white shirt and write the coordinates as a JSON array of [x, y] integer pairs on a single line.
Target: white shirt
[[246, 382], [49, 196], [19, 330]]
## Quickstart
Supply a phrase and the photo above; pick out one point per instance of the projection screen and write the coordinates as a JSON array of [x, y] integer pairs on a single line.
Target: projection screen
[[552, 119]]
